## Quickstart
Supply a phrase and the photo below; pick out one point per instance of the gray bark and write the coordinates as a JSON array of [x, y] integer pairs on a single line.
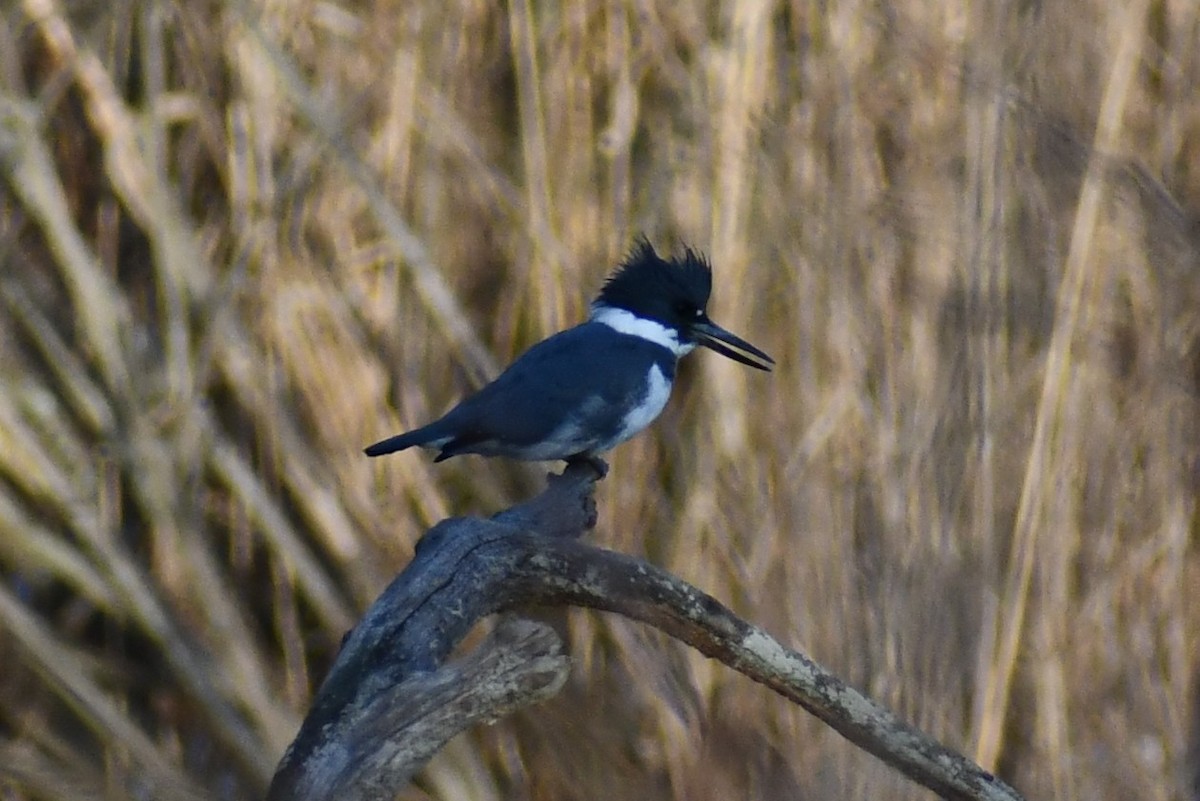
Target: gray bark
[[390, 701]]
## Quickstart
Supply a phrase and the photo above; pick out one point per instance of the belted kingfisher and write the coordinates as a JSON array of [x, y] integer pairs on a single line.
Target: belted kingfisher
[[586, 390]]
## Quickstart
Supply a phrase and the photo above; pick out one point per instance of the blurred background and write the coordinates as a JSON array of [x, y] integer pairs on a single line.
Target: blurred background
[[241, 240]]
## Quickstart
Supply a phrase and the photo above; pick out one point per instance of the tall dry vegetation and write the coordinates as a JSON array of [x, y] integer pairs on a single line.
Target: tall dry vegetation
[[239, 241]]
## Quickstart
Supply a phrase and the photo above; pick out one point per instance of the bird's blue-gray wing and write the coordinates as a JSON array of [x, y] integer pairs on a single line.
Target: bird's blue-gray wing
[[586, 376]]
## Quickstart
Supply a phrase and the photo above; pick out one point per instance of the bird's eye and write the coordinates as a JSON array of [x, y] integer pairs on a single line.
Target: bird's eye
[[684, 309]]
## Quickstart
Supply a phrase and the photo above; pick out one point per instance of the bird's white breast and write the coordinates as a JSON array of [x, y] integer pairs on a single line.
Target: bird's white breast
[[658, 392]]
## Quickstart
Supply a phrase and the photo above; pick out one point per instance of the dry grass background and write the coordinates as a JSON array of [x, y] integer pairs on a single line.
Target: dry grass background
[[240, 240]]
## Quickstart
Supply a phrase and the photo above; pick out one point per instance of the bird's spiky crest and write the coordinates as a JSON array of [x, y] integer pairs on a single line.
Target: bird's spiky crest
[[644, 273]]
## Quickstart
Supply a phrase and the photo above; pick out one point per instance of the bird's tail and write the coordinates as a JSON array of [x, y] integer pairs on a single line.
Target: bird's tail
[[421, 436]]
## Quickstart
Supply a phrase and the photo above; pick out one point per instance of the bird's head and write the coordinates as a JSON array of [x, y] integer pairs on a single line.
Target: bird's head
[[666, 300]]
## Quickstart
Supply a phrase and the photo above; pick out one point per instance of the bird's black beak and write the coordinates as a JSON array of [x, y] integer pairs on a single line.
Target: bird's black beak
[[711, 335]]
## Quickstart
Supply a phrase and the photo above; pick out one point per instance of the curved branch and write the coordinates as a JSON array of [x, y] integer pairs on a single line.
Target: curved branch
[[466, 569]]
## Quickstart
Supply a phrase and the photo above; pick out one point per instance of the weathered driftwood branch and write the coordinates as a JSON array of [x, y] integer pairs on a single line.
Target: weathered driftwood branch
[[389, 703]]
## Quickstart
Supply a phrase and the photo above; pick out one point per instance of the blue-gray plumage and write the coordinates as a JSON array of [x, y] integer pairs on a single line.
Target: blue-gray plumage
[[585, 390]]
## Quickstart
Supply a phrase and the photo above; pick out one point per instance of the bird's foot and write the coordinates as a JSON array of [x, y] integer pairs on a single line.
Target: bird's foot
[[595, 462]]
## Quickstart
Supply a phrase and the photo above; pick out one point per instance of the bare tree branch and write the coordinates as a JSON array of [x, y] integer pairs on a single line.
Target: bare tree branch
[[358, 741]]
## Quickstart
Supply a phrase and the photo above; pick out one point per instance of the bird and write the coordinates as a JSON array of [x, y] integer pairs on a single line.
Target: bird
[[583, 391]]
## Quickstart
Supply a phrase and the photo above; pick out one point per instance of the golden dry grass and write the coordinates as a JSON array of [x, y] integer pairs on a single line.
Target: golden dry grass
[[239, 241]]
